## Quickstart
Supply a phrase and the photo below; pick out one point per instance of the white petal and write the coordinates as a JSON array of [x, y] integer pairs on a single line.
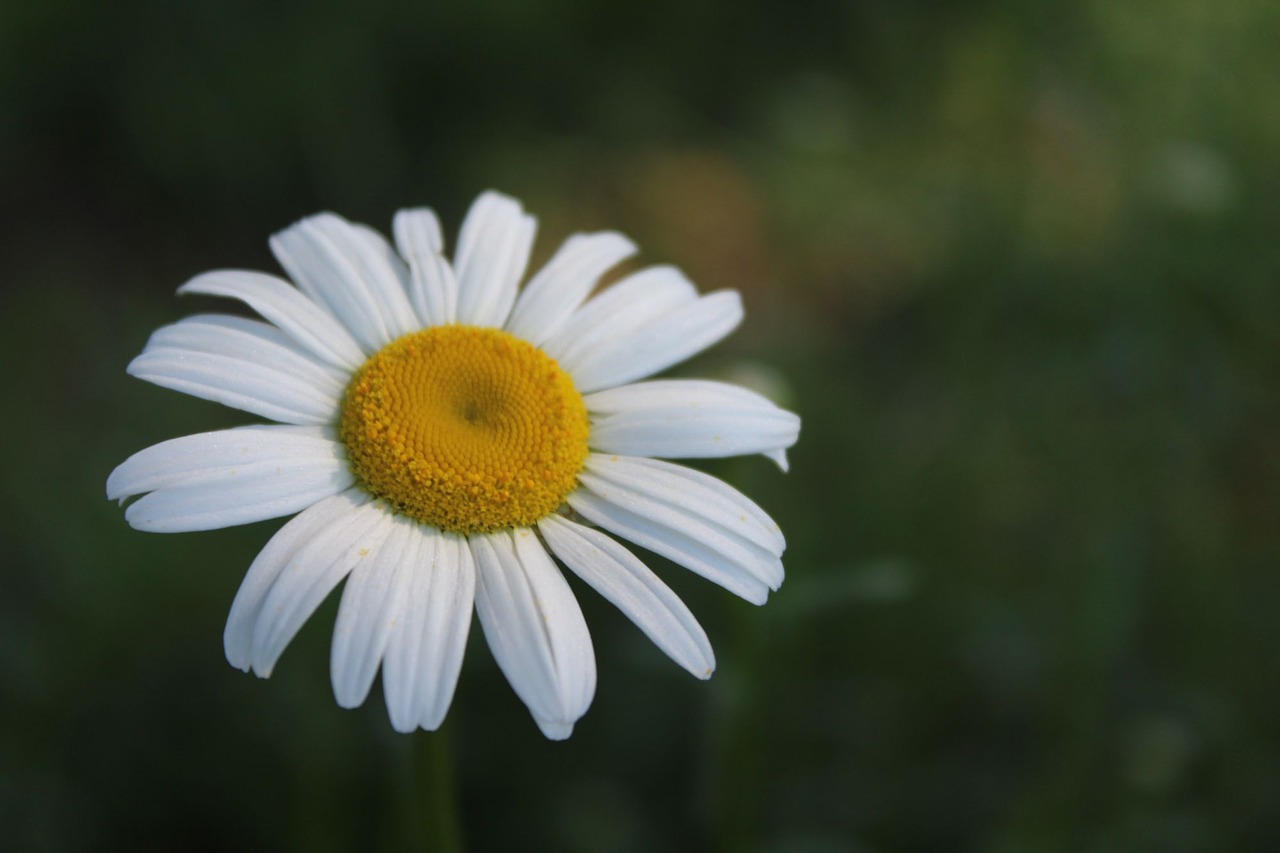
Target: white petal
[[271, 561], [253, 496], [417, 232], [240, 363], [535, 629], [688, 418], [251, 341], [368, 612], [620, 576], [616, 311], [310, 326], [658, 506], [692, 492], [310, 575], [658, 344], [236, 476], [236, 383], [675, 393], [382, 271], [672, 543], [339, 266], [433, 289], [400, 667], [212, 456], [424, 652], [448, 624], [379, 257], [560, 287], [493, 251]]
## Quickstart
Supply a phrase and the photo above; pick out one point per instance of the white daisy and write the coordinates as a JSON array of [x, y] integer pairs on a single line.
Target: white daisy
[[442, 433]]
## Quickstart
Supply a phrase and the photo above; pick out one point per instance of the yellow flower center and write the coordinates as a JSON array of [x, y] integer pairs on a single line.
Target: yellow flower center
[[470, 430]]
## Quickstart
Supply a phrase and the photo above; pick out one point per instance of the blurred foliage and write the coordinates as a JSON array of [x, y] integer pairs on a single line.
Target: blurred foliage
[[1015, 264]]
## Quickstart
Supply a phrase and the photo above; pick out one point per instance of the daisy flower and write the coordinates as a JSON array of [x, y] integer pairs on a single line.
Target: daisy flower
[[441, 435]]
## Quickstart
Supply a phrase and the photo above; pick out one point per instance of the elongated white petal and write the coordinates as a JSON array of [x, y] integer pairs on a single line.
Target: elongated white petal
[[379, 258], [535, 629], [670, 542], [240, 366], [658, 344], [620, 576], [306, 323], [449, 623], [310, 575], [688, 418], [424, 652], [213, 480], [692, 492], [266, 491], [227, 458], [368, 612], [383, 270], [251, 341], [215, 456], [557, 290], [433, 289], [306, 527], [657, 503], [493, 251], [339, 267], [695, 394], [619, 310], [417, 233], [320, 271], [400, 666]]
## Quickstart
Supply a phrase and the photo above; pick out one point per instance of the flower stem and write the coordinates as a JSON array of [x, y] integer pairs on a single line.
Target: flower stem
[[436, 793]]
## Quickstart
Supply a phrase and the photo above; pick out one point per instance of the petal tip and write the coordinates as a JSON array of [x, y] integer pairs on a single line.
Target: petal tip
[[554, 730], [492, 196], [404, 727], [432, 723], [112, 490], [237, 663], [347, 702]]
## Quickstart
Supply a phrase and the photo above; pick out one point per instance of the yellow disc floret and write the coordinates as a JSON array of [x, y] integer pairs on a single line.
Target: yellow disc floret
[[470, 430]]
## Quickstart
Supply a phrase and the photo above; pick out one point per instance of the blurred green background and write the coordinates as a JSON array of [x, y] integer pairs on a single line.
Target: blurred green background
[[1016, 265]]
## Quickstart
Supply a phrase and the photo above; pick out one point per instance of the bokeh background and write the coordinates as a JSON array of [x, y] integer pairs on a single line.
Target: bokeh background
[[1016, 265]]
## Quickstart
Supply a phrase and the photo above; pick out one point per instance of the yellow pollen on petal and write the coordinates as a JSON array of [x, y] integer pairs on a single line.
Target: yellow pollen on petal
[[470, 430]]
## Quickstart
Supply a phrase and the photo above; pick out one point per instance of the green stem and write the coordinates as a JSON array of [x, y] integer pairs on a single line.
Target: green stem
[[436, 794]]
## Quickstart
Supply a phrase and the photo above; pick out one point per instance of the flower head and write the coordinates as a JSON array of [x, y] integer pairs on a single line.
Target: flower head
[[441, 433]]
